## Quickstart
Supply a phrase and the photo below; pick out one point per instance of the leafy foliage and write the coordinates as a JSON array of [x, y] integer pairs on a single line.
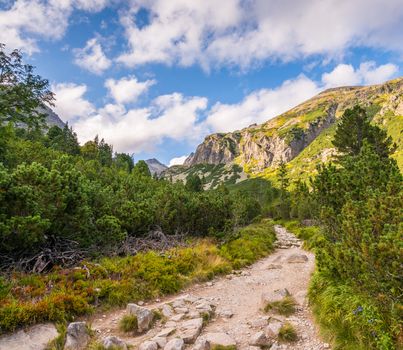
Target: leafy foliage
[[63, 294]]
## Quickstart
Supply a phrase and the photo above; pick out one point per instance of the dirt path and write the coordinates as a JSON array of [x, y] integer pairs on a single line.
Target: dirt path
[[238, 301]]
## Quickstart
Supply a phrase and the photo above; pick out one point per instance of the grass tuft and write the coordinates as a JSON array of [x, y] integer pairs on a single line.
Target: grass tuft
[[285, 307], [128, 323], [287, 333]]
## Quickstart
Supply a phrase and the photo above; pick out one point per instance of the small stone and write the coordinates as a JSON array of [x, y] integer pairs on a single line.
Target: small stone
[[226, 313], [77, 336], [166, 332], [148, 345], [201, 345], [141, 303], [274, 266], [326, 346], [175, 344], [180, 302], [273, 328], [181, 310], [170, 324], [178, 317], [297, 259], [112, 342], [167, 310], [260, 339], [219, 339]]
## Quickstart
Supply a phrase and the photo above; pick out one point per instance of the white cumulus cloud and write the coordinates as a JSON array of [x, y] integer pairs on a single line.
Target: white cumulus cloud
[[26, 21], [177, 160], [261, 105], [171, 116], [92, 57], [367, 73], [70, 101], [243, 33], [127, 89]]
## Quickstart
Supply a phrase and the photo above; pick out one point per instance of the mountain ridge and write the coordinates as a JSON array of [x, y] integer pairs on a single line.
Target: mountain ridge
[[258, 149]]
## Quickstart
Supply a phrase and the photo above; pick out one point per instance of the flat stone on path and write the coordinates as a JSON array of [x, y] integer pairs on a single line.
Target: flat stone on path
[[297, 259], [219, 339], [34, 338], [175, 344]]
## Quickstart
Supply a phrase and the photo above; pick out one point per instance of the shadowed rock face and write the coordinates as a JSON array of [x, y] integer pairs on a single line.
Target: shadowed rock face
[[283, 138], [155, 166]]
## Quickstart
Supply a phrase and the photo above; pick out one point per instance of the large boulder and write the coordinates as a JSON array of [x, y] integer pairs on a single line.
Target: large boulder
[[144, 316], [77, 336], [112, 342], [34, 338]]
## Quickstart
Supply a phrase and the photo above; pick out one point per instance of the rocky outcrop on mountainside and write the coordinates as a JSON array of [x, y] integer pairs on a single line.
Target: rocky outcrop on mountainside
[[283, 138]]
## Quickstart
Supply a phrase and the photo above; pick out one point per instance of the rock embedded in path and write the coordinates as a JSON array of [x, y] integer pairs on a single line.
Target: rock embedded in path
[[260, 339], [33, 338], [148, 345], [219, 339], [297, 259], [175, 344], [161, 341], [77, 336], [166, 332], [167, 310], [112, 342], [190, 330], [144, 316], [274, 296], [274, 267]]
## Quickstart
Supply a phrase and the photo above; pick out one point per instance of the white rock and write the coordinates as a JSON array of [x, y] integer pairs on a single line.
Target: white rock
[[175, 344], [180, 302], [226, 313], [112, 342], [77, 336], [181, 310], [190, 330], [148, 345], [144, 316], [260, 339], [178, 317], [161, 341], [219, 338], [201, 345], [273, 328], [167, 310], [166, 332], [34, 338], [297, 259]]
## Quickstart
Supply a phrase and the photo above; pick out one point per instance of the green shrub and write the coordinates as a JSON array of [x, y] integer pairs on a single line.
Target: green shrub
[[287, 333], [285, 306]]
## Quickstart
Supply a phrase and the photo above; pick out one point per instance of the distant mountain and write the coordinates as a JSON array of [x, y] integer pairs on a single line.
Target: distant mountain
[[52, 118], [155, 166], [302, 136]]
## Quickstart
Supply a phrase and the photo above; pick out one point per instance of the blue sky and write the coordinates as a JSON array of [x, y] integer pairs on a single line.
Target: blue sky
[[154, 77]]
